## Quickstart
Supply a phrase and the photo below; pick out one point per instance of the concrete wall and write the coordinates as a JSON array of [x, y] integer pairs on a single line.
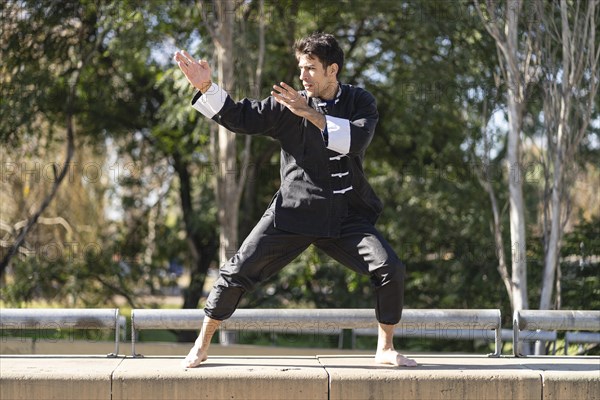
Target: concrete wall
[[298, 377]]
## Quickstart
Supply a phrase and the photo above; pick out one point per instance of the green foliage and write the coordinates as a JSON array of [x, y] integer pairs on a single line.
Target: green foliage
[[66, 277], [433, 71], [313, 280], [50, 46], [89, 60], [581, 268]]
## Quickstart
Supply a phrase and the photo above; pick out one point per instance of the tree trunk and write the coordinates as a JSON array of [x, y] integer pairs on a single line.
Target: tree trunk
[[553, 248], [515, 65], [226, 157], [516, 211], [229, 183], [202, 245], [513, 160]]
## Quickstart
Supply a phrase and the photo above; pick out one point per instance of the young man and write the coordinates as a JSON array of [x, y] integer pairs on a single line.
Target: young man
[[324, 198]]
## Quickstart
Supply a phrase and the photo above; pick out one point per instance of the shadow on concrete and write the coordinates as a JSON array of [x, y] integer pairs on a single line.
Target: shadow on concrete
[[60, 356]]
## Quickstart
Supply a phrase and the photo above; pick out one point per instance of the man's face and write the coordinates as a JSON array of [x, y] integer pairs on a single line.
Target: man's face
[[317, 81]]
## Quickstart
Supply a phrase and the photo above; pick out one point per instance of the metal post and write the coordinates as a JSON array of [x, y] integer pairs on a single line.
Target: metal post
[[516, 344], [498, 341], [117, 327], [133, 334]]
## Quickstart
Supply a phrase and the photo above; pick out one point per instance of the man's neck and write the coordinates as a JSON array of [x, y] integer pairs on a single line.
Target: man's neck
[[331, 91]]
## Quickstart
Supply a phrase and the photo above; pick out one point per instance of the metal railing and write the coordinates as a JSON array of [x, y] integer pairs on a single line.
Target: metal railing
[[563, 320], [580, 337], [465, 334], [62, 318], [441, 324], [319, 321]]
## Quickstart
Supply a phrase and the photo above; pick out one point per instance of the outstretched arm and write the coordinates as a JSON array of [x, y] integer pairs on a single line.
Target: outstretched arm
[[247, 116], [198, 73]]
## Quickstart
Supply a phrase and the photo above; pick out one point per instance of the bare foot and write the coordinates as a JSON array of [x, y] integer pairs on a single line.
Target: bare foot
[[392, 357], [194, 358]]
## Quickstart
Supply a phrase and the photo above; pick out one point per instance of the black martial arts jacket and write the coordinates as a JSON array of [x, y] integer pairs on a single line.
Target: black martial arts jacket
[[322, 177]]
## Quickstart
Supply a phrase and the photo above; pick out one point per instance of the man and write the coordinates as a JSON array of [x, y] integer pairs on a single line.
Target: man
[[324, 198]]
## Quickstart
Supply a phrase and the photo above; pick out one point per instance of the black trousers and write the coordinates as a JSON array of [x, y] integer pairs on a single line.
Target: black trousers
[[267, 250]]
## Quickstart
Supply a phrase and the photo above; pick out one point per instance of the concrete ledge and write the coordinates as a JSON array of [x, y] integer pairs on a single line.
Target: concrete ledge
[[434, 378], [221, 378], [567, 378], [56, 377], [299, 377]]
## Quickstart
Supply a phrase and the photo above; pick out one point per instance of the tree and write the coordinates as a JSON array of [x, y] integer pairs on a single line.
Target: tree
[[570, 85], [516, 62], [229, 186], [437, 77], [69, 77], [24, 27], [205, 161], [569, 58]]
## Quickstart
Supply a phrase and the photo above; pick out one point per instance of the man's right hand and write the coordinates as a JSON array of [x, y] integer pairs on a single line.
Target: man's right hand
[[198, 73]]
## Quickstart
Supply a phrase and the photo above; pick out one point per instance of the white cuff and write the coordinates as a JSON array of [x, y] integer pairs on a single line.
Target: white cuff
[[211, 101], [338, 130]]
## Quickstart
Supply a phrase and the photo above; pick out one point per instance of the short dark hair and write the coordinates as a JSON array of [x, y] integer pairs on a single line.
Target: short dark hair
[[324, 46]]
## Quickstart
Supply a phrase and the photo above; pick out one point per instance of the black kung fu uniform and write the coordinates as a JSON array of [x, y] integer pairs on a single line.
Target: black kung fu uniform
[[324, 198]]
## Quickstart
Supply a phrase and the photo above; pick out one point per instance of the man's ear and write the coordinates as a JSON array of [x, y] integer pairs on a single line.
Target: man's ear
[[333, 69]]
